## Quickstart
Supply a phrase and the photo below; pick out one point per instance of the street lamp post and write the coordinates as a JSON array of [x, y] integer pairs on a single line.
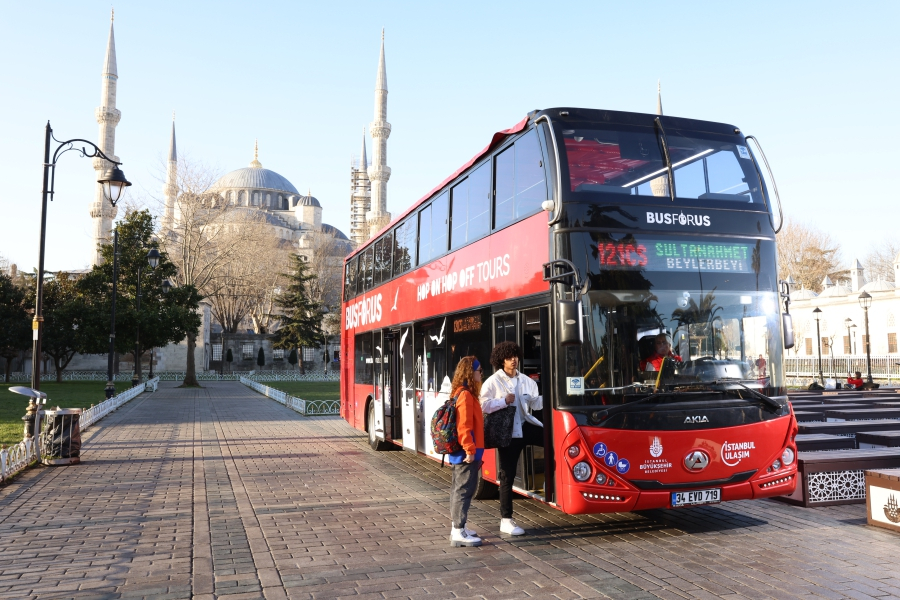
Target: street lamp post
[[865, 301], [816, 312], [114, 184], [153, 261]]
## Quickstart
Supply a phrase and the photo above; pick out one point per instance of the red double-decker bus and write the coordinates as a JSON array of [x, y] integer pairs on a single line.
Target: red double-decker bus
[[587, 236]]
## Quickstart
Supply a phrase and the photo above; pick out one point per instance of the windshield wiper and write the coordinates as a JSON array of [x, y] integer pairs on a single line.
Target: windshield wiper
[[771, 403], [602, 415]]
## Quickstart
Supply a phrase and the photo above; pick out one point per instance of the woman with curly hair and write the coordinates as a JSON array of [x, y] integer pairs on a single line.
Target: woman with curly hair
[[466, 463], [507, 386]]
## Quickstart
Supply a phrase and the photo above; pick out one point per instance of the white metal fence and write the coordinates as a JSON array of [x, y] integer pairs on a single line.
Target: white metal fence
[[805, 368], [98, 411], [309, 408], [21, 455], [281, 375]]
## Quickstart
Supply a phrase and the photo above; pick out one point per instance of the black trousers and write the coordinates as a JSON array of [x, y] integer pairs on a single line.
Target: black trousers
[[532, 435]]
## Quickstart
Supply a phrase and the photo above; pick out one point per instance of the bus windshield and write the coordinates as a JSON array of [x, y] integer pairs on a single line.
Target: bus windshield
[[628, 160], [674, 310]]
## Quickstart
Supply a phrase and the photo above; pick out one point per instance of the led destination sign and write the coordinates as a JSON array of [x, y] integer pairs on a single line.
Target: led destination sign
[[671, 255]]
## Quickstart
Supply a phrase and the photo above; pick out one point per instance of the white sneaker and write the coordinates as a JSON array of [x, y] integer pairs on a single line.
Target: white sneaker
[[469, 532], [509, 527], [459, 537]]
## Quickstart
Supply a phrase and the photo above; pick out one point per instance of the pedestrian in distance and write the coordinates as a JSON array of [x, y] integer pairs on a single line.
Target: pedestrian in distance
[[466, 463], [856, 382], [507, 386]]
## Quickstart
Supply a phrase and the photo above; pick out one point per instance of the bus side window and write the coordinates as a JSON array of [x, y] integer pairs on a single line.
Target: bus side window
[[364, 369], [365, 270], [460, 214], [424, 235], [350, 284], [504, 187], [404, 246], [471, 207], [531, 190], [382, 267]]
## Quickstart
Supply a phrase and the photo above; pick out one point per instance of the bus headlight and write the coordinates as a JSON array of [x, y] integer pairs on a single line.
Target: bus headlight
[[787, 457], [600, 478], [776, 465], [581, 471], [573, 451]]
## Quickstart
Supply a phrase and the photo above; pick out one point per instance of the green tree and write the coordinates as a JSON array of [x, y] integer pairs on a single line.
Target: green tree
[[64, 309], [300, 316], [15, 328], [261, 358], [163, 317]]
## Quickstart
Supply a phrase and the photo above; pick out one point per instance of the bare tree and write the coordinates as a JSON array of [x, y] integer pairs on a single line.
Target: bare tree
[[324, 254], [879, 262], [807, 254], [208, 241]]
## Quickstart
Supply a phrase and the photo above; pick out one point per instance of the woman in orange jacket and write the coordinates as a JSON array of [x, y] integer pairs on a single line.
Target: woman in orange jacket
[[466, 463]]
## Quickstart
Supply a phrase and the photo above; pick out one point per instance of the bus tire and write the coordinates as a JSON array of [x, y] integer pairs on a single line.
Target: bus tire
[[485, 490], [376, 444]]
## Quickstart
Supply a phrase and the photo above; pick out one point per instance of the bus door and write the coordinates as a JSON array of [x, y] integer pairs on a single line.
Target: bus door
[[382, 383], [529, 329], [432, 377], [393, 397], [407, 397]]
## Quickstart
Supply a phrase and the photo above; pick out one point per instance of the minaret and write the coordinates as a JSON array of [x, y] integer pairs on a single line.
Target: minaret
[[660, 185], [379, 172], [361, 191], [857, 277], [108, 117], [170, 192]]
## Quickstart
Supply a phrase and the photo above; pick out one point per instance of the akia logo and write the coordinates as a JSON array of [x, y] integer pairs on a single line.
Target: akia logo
[[697, 419]]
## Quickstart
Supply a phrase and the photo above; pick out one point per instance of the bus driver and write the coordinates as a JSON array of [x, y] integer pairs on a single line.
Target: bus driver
[[662, 349]]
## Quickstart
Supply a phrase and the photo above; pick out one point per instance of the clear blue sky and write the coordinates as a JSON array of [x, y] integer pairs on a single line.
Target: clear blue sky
[[813, 80]]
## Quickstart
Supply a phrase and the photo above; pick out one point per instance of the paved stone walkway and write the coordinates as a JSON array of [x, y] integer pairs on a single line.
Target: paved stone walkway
[[220, 492]]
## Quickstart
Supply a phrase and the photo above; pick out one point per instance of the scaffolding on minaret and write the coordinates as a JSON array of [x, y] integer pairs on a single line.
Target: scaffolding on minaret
[[360, 195]]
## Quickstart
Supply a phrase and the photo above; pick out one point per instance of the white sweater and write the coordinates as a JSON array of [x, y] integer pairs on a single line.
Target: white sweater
[[498, 385]]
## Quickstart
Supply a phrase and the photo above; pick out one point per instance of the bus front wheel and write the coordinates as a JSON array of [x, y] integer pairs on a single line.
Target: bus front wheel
[[376, 444], [485, 490]]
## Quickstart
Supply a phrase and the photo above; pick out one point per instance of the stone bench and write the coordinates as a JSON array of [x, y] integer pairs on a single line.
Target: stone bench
[[878, 439], [836, 476], [850, 428], [882, 498], [861, 414], [811, 442]]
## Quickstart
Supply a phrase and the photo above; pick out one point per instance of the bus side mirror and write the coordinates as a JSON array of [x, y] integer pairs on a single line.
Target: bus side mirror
[[569, 314], [787, 324]]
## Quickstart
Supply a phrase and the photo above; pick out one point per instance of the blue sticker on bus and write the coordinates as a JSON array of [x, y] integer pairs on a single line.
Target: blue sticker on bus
[[611, 459], [623, 465], [600, 450]]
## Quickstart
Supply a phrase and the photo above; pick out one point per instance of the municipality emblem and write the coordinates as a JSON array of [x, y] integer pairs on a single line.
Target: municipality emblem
[[656, 448]]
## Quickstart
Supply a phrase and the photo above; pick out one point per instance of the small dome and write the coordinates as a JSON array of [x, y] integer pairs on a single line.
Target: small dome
[[879, 286], [803, 294], [308, 201], [258, 178], [835, 291], [338, 234]]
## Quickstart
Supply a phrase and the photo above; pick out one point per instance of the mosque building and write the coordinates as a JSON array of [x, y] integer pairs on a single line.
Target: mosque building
[[293, 216]]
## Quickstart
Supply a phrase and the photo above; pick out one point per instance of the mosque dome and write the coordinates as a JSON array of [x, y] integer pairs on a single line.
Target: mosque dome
[[256, 177], [338, 234], [803, 294], [879, 285], [835, 291], [308, 201]]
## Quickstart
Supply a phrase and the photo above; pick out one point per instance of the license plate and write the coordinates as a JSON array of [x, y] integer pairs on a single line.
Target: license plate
[[696, 497]]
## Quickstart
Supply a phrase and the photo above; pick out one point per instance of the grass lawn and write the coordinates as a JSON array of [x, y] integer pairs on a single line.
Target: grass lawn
[[70, 394], [308, 390]]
